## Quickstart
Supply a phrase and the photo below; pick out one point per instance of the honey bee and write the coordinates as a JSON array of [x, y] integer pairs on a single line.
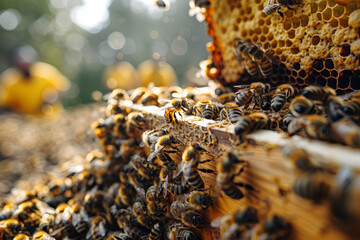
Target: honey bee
[[249, 92], [300, 105], [140, 212], [352, 107], [262, 60], [176, 106], [97, 230], [164, 145], [163, 4], [227, 170], [155, 204], [313, 126], [233, 225], [125, 195], [202, 3], [266, 102], [136, 120], [230, 113], [79, 218], [9, 228], [189, 166], [317, 93], [178, 232], [47, 222], [334, 108], [137, 94], [192, 218], [120, 121], [200, 200], [299, 157], [41, 235], [287, 119], [7, 211], [117, 94], [113, 109], [252, 122], [346, 131], [344, 198], [313, 186], [156, 231], [272, 6], [276, 228], [119, 236], [241, 53], [150, 98], [150, 137], [22, 236], [206, 109], [282, 94]]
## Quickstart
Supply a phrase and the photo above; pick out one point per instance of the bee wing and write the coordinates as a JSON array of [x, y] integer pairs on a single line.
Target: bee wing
[[180, 169], [75, 219], [90, 232], [57, 231], [230, 231], [241, 86], [141, 193], [217, 221], [164, 101], [153, 154], [159, 187], [48, 237], [102, 230]]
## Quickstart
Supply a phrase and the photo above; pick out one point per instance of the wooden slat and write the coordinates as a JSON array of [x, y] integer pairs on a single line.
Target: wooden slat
[[268, 172]]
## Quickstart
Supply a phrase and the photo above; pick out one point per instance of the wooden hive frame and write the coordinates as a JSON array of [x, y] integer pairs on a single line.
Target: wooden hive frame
[[269, 172]]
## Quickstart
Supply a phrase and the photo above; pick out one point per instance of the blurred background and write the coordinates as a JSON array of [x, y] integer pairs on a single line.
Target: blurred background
[[81, 38]]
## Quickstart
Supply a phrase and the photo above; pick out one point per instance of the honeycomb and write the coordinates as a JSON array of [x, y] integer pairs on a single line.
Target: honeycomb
[[316, 43]]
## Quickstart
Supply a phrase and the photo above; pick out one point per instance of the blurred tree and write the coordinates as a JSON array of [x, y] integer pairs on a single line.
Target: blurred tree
[[60, 32]]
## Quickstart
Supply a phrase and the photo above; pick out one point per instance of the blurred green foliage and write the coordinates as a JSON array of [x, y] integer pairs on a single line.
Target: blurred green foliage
[[49, 27]]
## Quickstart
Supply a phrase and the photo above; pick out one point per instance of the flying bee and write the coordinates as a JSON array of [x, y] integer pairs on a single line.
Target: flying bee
[[206, 109], [262, 60], [282, 94], [313, 126], [178, 232], [164, 145], [230, 112], [156, 231], [227, 170], [189, 166], [252, 122], [97, 230], [254, 91], [300, 105], [313, 186], [200, 200], [272, 6], [9, 228], [317, 93], [234, 224]]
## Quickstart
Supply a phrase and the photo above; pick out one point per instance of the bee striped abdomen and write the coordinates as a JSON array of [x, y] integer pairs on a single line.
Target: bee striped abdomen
[[195, 179], [178, 189]]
